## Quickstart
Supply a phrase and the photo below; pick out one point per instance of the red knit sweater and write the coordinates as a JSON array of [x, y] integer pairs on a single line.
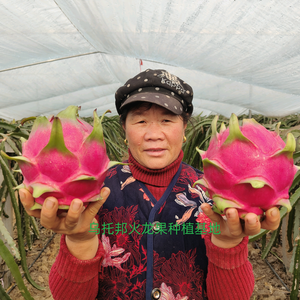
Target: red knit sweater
[[156, 181], [229, 275]]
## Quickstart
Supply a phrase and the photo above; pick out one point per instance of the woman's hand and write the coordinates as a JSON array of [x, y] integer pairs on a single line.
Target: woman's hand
[[232, 230], [75, 224]]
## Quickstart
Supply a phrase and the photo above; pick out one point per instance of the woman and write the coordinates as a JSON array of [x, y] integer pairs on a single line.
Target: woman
[[150, 246]]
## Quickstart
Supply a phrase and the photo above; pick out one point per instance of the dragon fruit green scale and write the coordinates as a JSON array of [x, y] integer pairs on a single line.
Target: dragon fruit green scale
[[64, 157], [248, 167]]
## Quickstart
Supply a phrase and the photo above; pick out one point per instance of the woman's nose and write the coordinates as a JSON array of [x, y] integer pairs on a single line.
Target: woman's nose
[[154, 131]]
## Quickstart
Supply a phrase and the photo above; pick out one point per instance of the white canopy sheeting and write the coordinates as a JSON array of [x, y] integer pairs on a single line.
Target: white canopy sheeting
[[238, 55]]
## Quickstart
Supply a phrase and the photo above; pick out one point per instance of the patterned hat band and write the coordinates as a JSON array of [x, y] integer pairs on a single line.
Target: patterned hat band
[[159, 96]]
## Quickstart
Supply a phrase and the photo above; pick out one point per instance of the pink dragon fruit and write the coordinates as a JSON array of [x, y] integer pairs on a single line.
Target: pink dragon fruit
[[64, 157], [248, 167]]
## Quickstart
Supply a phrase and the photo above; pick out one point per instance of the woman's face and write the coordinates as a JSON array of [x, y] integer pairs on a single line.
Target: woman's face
[[154, 136]]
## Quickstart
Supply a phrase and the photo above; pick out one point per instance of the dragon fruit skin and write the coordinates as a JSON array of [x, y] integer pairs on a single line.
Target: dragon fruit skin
[[248, 167], [64, 157]]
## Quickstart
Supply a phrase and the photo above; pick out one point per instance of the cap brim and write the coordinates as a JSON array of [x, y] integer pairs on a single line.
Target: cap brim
[[160, 99]]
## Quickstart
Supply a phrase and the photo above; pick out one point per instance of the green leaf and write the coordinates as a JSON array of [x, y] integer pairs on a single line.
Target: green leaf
[[35, 227], [289, 147], [296, 232], [255, 182], [9, 239], [27, 230], [71, 112], [283, 211], [7, 126], [16, 158], [214, 131], [296, 273], [23, 121], [3, 295], [271, 242], [39, 189], [290, 229], [10, 182], [11, 143], [235, 131], [13, 267], [56, 140]]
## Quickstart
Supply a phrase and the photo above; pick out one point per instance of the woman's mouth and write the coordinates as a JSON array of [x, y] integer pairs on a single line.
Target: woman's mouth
[[155, 151]]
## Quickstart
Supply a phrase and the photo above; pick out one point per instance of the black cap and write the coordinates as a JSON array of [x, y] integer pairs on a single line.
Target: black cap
[[159, 87]]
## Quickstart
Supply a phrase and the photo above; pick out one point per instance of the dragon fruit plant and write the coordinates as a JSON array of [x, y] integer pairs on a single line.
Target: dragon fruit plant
[[248, 167], [64, 157]]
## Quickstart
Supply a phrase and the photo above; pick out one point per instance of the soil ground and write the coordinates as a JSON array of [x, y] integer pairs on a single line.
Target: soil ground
[[267, 285]]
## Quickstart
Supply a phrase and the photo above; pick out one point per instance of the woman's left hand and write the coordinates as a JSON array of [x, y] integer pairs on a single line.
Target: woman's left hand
[[232, 230]]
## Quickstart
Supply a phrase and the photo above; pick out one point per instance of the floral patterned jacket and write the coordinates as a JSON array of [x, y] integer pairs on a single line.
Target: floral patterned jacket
[[152, 247]]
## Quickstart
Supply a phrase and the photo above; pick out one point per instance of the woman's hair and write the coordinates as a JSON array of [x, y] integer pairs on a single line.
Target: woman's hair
[[146, 106]]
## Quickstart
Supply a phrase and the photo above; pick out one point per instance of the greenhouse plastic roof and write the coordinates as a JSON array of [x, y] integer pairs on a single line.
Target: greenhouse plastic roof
[[237, 55]]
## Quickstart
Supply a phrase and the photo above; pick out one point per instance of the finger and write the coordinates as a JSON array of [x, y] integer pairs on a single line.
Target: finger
[[272, 219], [28, 201], [233, 222], [252, 224], [49, 218], [93, 208], [34, 213], [88, 216], [73, 215], [214, 217], [26, 197]]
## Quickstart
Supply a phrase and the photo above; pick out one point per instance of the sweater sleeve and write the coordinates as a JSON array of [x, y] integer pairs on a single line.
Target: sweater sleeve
[[230, 275], [72, 278]]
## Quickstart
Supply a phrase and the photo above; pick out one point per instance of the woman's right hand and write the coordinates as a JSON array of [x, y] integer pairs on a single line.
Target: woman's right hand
[[76, 224]]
